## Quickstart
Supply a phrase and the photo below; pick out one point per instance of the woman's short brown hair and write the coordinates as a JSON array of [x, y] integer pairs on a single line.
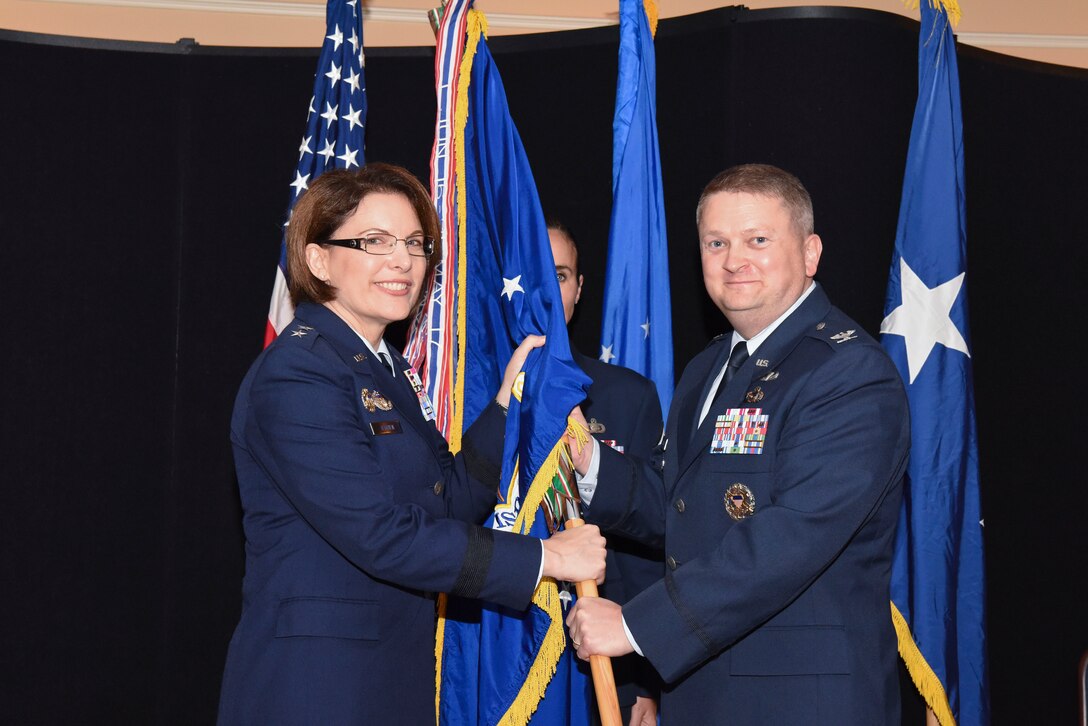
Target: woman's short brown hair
[[331, 199]]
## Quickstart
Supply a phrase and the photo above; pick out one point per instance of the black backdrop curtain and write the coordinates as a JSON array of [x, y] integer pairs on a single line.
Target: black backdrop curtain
[[143, 188]]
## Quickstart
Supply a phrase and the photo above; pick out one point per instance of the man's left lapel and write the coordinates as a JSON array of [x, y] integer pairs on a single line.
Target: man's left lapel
[[734, 391], [773, 350]]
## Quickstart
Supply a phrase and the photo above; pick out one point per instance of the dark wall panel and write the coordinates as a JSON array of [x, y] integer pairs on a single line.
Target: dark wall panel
[[92, 231], [1027, 177]]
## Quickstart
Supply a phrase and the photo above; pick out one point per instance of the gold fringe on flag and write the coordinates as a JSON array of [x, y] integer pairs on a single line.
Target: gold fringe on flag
[[925, 680], [651, 15], [476, 26], [546, 596], [951, 7], [439, 641]]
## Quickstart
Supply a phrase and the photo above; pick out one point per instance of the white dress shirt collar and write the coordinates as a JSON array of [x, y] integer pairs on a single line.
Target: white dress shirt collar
[[757, 340]]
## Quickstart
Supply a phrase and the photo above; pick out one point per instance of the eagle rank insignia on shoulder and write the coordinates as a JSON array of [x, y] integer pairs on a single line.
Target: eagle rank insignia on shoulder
[[740, 503], [844, 336]]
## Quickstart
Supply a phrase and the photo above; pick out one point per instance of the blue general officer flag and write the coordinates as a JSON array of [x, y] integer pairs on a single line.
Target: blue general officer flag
[[937, 585], [636, 331], [334, 129], [498, 665]]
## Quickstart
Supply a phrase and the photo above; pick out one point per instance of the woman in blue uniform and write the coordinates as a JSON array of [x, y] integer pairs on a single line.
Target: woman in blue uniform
[[355, 512]]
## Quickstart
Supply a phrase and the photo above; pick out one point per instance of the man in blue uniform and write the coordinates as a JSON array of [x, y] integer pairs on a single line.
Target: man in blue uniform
[[785, 448], [624, 412]]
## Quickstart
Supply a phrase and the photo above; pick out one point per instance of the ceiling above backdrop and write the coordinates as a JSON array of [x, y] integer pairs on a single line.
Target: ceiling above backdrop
[[1052, 31]]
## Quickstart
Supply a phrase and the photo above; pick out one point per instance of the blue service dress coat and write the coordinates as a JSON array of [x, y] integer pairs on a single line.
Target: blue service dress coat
[[355, 514], [774, 608], [624, 410]]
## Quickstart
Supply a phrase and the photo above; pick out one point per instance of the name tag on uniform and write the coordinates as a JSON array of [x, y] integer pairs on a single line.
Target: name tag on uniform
[[421, 393], [384, 428], [739, 431]]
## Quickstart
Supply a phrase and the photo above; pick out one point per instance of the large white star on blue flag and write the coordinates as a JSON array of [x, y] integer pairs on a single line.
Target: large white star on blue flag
[[923, 318]]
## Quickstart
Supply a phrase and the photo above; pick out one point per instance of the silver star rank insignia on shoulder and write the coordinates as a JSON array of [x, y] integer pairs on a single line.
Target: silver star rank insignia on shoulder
[[299, 332], [844, 336]]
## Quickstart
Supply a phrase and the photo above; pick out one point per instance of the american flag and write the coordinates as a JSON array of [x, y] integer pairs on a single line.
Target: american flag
[[335, 123]]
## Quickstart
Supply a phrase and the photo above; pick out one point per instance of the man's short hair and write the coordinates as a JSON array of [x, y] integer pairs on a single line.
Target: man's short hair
[[766, 181]]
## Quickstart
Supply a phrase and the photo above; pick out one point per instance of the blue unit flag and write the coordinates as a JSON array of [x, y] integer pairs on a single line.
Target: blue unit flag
[[636, 331], [498, 666], [937, 587]]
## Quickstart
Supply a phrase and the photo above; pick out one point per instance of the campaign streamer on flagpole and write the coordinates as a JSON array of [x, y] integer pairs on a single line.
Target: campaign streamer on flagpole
[[495, 665], [335, 123], [937, 584], [432, 334], [636, 329]]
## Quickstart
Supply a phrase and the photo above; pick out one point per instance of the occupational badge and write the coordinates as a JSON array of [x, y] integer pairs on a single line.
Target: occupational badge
[[739, 431], [754, 396], [421, 393], [596, 427], [770, 376], [844, 336], [740, 503], [374, 401]]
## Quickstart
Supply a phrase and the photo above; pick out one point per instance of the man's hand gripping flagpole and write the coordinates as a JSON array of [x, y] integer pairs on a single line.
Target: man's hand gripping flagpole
[[604, 683]]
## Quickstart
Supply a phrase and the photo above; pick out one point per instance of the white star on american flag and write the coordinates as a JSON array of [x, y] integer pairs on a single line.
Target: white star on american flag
[[348, 157], [330, 113], [300, 182], [304, 147], [334, 74], [336, 37], [352, 117], [353, 80]]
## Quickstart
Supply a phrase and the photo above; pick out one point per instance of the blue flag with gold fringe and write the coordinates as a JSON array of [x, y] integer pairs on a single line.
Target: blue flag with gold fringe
[[497, 665], [937, 585], [636, 329]]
